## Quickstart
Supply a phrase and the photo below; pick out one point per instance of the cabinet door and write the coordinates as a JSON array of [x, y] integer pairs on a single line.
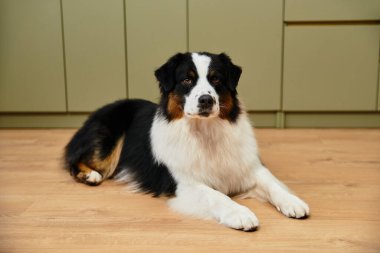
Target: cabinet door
[[378, 88], [250, 31], [156, 30], [31, 56], [331, 10], [95, 52], [331, 68]]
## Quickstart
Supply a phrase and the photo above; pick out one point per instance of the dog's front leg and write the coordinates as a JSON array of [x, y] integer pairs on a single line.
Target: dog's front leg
[[269, 188], [201, 201]]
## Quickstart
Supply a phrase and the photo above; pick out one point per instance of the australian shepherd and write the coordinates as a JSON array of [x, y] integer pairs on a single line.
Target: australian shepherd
[[197, 145]]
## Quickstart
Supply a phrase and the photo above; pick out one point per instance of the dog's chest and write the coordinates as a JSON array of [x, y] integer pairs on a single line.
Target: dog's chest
[[214, 152]]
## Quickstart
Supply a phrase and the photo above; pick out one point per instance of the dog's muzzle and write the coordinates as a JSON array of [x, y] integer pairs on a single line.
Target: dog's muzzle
[[205, 105]]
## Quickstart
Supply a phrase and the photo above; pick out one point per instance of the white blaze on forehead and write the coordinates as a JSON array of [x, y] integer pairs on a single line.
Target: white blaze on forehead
[[201, 62], [202, 87]]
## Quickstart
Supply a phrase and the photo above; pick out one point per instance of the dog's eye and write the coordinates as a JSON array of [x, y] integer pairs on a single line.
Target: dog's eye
[[215, 80], [187, 81]]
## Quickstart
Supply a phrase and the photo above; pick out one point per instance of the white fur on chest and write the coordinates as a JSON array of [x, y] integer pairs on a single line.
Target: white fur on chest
[[212, 151]]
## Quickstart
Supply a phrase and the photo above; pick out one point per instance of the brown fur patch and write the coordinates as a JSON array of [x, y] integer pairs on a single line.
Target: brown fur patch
[[107, 166], [174, 107], [225, 104], [84, 168], [191, 74], [84, 172]]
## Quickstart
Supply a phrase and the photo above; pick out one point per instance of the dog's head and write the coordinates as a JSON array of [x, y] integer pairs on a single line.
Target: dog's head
[[199, 85]]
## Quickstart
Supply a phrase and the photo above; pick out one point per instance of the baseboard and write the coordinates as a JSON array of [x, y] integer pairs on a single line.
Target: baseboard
[[333, 120], [42, 120], [259, 119]]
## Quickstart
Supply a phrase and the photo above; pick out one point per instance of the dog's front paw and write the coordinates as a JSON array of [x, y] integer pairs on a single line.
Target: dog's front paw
[[240, 217], [292, 206]]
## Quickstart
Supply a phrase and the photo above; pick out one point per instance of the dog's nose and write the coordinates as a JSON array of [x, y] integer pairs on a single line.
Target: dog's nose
[[205, 101]]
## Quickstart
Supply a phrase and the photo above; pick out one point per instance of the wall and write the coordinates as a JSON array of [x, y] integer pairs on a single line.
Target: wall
[[306, 63]]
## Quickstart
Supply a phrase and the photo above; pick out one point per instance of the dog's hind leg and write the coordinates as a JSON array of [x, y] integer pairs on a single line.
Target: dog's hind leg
[[87, 175], [98, 166]]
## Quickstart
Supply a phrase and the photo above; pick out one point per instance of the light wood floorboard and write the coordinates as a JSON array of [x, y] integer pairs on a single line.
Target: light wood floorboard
[[336, 171]]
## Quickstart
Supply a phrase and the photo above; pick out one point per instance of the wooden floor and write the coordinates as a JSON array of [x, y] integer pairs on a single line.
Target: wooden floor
[[337, 172]]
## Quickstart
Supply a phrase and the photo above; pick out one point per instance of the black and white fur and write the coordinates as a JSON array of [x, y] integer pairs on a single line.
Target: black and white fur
[[197, 145]]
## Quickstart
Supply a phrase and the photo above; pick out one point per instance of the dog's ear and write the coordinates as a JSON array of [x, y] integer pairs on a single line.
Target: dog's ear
[[233, 71], [166, 73]]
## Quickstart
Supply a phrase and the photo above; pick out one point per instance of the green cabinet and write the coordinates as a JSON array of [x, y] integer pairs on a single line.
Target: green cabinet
[[31, 56], [309, 63], [250, 31], [94, 53], [331, 68], [378, 89], [332, 10], [155, 31]]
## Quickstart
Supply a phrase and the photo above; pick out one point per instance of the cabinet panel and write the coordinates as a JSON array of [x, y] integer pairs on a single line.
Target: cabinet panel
[[331, 68], [95, 52], [156, 30], [378, 88], [334, 10], [31, 56], [250, 31]]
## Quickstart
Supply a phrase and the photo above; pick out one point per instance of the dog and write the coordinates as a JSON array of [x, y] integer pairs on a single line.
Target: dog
[[197, 145]]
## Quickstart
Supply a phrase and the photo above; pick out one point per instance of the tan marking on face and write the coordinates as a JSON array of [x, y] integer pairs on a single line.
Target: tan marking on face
[[225, 105], [174, 107], [191, 74]]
